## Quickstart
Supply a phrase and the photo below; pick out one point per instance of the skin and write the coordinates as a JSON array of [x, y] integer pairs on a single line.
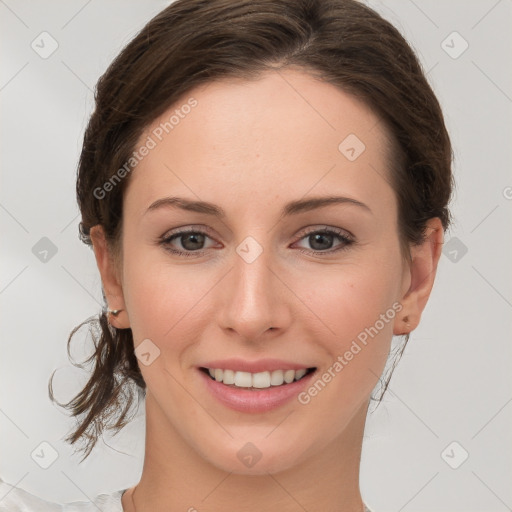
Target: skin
[[250, 148]]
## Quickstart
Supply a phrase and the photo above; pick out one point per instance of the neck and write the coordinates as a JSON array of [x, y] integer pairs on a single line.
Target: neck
[[176, 477]]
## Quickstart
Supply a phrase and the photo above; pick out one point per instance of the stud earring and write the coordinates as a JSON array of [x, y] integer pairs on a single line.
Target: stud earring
[[114, 312]]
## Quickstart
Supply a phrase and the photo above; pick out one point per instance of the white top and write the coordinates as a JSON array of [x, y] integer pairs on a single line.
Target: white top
[[14, 499]]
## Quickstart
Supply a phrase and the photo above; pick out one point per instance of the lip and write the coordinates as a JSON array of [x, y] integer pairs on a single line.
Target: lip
[[251, 401], [261, 365]]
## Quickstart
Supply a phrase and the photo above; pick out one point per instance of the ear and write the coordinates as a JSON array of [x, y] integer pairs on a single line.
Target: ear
[[419, 277], [112, 285]]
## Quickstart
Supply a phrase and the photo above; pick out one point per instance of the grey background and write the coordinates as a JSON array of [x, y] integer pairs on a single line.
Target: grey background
[[453, 382]]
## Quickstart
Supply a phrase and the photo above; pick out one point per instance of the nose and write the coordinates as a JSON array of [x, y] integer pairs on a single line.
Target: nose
[[255, 298]]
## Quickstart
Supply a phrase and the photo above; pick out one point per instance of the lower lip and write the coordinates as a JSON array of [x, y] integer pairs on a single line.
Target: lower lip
[[264, 400]]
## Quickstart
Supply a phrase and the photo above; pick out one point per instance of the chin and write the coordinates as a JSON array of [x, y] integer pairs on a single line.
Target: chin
[[259, 457]]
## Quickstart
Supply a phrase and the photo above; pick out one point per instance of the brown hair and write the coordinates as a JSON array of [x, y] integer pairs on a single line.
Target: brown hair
[[193, 42]]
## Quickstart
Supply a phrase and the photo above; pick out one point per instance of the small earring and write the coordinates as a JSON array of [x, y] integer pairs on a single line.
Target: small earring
[[114, 312]]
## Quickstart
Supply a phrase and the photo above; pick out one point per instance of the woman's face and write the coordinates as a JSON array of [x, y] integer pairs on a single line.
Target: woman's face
[[256, 151]]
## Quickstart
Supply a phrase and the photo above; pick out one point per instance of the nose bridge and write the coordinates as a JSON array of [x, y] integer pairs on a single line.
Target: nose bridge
[[254, 299]]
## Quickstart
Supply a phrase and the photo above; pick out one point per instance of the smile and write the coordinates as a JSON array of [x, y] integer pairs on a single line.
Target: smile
[[260, 380]]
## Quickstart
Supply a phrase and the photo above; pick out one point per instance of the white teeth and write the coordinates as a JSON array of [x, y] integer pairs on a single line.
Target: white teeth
[[228, 377], [300, 373], [243, 379], [277, 378], [289, 375], [259, 380]]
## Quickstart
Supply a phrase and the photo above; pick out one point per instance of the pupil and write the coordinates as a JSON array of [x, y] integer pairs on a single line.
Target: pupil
[[319, 236], [197, 238]]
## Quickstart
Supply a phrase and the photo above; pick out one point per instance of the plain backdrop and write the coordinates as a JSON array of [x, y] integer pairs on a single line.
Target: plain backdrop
[[441, 438]]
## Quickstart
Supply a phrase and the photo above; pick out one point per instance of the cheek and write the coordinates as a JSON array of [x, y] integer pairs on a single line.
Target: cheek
[[163, 299], [357, 305], [165, 306], [353, 297], [359, 313]]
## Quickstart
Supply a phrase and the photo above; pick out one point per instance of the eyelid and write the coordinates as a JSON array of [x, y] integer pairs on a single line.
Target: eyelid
[[194, 228], [324, 227]]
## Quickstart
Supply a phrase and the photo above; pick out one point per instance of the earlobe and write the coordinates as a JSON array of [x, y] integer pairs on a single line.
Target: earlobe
[[421, 274], [112, 286], [402, 326]]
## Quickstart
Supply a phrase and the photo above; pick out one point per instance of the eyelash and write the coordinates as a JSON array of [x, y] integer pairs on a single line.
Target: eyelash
[[347, 241]]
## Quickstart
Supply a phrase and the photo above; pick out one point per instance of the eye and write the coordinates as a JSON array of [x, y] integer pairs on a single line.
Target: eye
[[321, 241], [190, 242]]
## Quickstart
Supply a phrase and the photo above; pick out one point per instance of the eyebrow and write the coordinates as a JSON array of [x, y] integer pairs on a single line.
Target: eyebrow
[[292, 208]]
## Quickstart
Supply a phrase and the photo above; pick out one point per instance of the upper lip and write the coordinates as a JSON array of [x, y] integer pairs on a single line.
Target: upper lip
[[260, 365]]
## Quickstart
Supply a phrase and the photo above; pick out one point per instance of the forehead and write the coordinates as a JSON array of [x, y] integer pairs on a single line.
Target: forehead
[[285, 133]]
